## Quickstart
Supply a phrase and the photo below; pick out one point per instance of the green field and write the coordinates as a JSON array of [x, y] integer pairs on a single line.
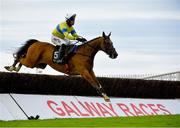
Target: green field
[[147, 121]]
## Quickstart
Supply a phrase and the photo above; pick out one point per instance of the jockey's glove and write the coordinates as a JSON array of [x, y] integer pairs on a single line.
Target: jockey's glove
[[81, 39]]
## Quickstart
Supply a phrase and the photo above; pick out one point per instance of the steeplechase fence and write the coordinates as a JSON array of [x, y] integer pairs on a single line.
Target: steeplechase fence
[[33, 96]]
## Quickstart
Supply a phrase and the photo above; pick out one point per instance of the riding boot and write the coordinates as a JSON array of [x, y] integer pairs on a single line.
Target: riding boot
[[61, 53], [64, 58]]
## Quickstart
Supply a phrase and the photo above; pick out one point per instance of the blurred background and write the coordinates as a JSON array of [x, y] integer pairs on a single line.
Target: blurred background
[[145, 33]]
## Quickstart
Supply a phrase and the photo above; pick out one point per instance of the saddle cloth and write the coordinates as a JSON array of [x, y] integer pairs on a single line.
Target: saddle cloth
[[69, 50]]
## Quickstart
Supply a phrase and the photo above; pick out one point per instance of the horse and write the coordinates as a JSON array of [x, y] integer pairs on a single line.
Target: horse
[[37, 54]]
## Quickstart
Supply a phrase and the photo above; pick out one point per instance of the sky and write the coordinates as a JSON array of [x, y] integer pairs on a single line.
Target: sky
[[145, 33]]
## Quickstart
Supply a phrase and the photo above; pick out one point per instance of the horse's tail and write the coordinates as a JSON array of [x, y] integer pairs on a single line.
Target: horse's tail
[[23, 50]]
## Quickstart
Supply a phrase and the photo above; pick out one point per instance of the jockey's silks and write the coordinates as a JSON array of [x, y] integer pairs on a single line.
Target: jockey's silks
[[64, 31]]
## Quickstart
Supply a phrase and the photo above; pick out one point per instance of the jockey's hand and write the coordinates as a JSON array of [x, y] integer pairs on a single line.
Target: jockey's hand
[[84, 39], [81, 39]]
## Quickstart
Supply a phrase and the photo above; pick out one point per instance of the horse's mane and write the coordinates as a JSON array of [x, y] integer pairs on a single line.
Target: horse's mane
[[90, 41], [94, 39]]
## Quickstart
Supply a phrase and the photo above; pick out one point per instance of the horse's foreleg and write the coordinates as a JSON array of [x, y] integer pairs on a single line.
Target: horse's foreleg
[[90, 77], [100, 89]]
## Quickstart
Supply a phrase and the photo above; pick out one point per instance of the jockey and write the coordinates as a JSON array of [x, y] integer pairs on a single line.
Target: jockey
[[64, 34]]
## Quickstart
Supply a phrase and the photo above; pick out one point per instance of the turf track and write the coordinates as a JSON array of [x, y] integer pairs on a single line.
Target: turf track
[[147, 121]]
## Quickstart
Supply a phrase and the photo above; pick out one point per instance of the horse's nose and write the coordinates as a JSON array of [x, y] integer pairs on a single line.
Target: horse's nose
[[115, 54]]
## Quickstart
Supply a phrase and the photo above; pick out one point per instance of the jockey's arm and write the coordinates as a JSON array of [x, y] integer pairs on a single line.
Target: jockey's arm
[[72, 36], [69, 36], [76, 35], [73, 33]]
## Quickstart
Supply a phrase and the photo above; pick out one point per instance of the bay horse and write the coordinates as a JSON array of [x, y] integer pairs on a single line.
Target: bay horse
[[37, 54]]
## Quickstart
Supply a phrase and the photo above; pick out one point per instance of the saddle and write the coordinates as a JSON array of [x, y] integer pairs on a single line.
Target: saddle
[[63, 53]]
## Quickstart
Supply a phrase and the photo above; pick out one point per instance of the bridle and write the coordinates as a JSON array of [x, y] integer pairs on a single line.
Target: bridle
[[89, 45]]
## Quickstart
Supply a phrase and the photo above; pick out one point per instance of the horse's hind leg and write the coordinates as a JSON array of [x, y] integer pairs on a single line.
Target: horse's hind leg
[[27, 62], [18, 67], [13, 66], [31, 59]]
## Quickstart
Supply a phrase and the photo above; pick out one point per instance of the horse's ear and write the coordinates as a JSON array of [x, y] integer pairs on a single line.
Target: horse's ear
[[109, 34], [104, 35]]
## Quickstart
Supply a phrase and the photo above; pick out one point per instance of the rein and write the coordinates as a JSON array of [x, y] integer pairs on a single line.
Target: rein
[[85, 54], [91, 46]]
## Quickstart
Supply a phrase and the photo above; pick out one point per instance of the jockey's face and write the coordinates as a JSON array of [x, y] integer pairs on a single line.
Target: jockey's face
[[71, 21]]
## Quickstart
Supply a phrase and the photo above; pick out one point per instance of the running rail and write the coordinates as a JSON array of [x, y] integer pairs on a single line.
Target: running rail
[[173, 76]]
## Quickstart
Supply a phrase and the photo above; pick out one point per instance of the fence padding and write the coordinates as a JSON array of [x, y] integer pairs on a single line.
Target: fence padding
[[63, 85]]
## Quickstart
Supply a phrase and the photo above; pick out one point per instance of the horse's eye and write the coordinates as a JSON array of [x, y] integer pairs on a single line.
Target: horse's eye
[[108, 42]]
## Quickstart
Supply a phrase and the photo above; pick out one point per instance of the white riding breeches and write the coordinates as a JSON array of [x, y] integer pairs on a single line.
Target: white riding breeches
[[58, 41]]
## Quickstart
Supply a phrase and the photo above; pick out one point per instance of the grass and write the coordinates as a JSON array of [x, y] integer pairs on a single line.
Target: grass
[[146, 121]]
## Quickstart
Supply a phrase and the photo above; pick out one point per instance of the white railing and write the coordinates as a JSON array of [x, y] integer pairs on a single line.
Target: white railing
[[173, 76]]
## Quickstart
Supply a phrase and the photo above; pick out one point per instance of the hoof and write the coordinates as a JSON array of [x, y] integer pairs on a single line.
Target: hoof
[[17, 69], [106, 98], [9, 68]]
